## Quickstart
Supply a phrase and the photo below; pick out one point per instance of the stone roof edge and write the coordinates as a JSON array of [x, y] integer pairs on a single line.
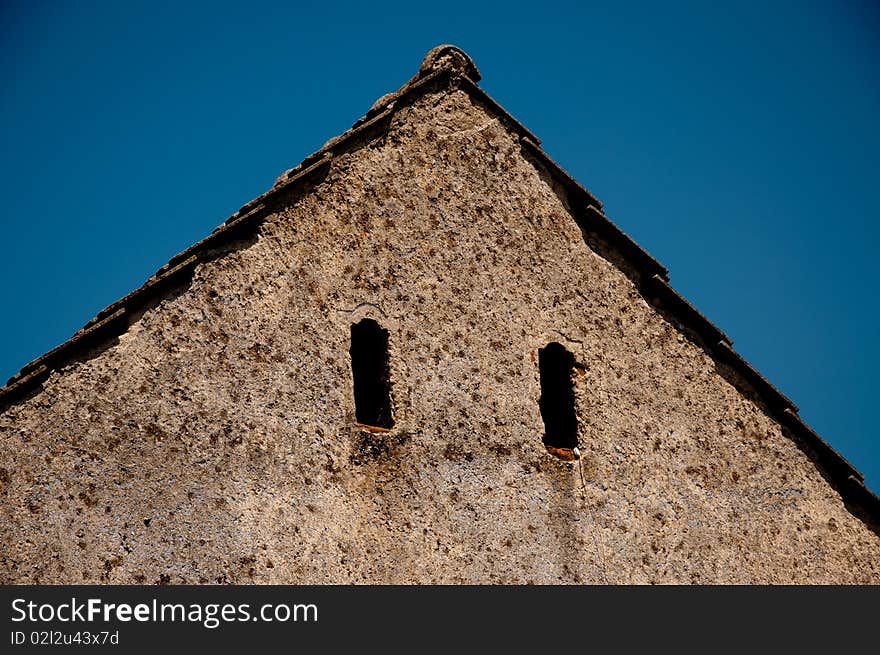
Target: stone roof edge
[[449, 66]]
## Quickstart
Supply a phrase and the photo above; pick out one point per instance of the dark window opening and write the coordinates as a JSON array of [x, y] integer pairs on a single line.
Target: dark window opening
[[370, 370], [557, 396]]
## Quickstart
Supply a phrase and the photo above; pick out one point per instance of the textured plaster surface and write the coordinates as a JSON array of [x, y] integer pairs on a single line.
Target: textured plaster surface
[[215, 440]]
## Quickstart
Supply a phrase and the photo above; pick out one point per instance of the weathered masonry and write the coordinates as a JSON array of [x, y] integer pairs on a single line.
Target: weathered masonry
[[424, 355]]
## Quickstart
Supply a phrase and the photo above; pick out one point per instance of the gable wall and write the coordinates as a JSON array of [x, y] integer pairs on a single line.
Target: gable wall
[[215, 441]]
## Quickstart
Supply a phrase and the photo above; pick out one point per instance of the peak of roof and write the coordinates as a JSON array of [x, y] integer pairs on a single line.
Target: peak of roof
[[444, 68], [449, 56]]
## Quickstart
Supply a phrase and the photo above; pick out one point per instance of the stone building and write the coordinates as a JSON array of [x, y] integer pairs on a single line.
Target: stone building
[[424, 355]]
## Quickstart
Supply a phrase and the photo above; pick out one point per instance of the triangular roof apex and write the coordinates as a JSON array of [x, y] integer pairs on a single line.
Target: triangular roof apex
[[449, 56]]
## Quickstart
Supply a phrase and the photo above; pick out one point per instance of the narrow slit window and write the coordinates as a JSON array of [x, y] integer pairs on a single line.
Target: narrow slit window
[[557, 396], [371, 373]]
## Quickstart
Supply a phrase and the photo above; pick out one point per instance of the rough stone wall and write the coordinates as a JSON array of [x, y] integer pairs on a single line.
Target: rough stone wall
[[215, 441]]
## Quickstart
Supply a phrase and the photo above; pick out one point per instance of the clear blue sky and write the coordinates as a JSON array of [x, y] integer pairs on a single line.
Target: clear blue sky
[[739, 145]]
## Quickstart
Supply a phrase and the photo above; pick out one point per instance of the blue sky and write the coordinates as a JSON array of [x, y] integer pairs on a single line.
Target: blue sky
[[738, 144]]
